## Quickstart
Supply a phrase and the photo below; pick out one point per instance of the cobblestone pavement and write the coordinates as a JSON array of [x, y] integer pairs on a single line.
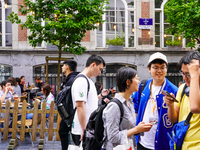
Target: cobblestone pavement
[[27, 145]]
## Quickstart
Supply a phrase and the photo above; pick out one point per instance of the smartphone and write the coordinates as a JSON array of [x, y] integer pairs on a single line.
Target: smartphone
[[167, 94], [155, 122]]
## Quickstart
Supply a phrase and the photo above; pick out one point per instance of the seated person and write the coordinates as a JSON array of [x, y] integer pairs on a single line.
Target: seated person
[[39, 82], [15, 86], [46, 90], [22, 83], [6, 92]]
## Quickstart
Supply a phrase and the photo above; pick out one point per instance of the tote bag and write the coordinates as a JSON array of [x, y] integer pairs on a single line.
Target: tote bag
[[127, 146], [74, 147]]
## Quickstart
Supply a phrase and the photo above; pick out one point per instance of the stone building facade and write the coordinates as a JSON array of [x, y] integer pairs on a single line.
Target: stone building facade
[[18, 58]]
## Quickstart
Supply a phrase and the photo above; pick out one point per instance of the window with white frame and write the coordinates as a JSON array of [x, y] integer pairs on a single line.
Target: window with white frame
[[5, 72], [5, 25], [161, 36], [119, 20]]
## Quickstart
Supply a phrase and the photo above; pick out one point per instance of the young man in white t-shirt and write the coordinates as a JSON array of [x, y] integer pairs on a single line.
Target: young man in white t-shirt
[[84, 101]]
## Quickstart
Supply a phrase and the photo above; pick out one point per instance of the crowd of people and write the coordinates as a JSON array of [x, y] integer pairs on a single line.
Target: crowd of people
[[149, 114]]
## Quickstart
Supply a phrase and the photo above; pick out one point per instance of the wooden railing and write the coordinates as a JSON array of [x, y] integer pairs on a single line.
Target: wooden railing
[[34, 128]]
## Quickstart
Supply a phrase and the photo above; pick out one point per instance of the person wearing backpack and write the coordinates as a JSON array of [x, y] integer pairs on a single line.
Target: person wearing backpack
[[85, 101], [69, 69], [180, 111], [149, 105], [118, 130]]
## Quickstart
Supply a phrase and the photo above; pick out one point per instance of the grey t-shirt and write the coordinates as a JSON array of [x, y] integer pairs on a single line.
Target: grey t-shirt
[[17, 90], [8, 95]]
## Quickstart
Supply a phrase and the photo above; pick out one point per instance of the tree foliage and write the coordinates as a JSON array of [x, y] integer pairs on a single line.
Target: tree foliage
[[66, 22], [184, 19]]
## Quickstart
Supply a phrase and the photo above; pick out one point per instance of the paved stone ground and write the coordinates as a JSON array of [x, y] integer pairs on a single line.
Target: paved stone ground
[[27, 145]]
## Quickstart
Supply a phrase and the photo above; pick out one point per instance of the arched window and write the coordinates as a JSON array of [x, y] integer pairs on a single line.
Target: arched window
[[5, 72], [173, 74], [119, 18], [107, 78], [161, 36], [5, 25], [40, 70]]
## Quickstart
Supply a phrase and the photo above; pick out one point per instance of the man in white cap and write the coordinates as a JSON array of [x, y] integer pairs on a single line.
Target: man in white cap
[[150, 108]]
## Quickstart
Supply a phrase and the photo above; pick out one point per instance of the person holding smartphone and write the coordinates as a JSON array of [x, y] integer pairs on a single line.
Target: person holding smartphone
[[190, 100], [149, 105]]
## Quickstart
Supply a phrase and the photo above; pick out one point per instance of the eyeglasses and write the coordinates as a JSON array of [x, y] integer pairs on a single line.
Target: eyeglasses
[[184, 74], [156, 68]]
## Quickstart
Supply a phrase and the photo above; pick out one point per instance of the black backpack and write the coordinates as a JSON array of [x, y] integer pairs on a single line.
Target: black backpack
[[94, 132], [64, 102]]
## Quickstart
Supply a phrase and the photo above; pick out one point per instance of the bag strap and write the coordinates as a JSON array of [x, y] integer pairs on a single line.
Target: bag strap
[[120, 107], [82, 75], [143, 83], [183, 92], [187, 121]]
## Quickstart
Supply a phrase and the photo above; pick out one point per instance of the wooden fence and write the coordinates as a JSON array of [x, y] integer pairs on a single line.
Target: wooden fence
[[22, 110]]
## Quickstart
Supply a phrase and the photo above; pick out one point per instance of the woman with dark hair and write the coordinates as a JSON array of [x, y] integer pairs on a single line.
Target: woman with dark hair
[[46, 90], [15, 86], [117, 133]]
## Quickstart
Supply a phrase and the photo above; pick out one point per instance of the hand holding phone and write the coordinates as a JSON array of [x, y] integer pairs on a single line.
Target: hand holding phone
[[167, 94]]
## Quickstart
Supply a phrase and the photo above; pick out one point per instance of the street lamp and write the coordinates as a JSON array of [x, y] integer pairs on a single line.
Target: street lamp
[[6, 5], [114, 26]]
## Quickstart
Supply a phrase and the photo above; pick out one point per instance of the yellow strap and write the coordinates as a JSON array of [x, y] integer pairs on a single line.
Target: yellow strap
[[153, 103]]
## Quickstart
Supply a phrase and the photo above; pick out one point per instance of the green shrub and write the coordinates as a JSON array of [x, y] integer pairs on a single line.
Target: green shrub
[[116, 41], [174, 42]]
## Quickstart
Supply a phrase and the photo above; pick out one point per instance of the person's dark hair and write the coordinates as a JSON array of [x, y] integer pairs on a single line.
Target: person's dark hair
[[3, 83], [187, 58], [124, 74], [47, 89], [95, 58], [13, 81], [18, 80], [22, 77], [156, 61], [38, 78], [71, 63], [98, 86]]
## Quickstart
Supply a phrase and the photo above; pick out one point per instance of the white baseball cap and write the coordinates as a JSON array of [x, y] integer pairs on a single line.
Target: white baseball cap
[[157, 55]]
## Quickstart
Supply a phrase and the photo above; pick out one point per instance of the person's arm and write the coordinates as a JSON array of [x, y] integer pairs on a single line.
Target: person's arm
[[2, 98], [141, 127], [173, 110], [80, 108], [194, 95], [103, 93]]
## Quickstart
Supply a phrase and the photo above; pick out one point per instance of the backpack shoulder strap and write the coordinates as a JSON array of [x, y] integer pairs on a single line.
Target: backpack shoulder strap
[[120, 107], [183, 92], [187, 121], [82, 75], [143, 83]]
